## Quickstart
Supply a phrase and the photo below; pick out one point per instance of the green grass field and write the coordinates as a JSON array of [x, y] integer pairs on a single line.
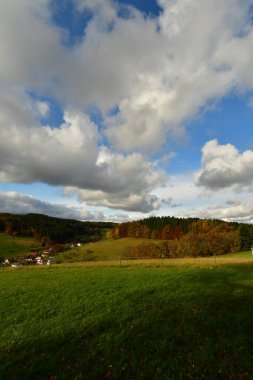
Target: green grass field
[[18, 246], [85, 321], [102, 250], [246, 255]]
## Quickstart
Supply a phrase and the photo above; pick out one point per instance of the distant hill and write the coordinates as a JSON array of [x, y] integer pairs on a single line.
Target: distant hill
[[57, 230], [234, 236]]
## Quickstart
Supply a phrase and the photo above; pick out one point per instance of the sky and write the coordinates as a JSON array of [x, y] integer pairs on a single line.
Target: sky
[[119, 110]]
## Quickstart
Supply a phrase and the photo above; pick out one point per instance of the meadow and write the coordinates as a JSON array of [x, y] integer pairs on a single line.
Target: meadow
[[102, 250], [16, 246], [160, 319]]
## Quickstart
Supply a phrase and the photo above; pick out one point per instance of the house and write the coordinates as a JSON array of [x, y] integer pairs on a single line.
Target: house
[[39, 260]]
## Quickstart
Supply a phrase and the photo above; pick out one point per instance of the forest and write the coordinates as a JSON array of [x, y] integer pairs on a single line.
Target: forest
[[52, 230], [183, 237]]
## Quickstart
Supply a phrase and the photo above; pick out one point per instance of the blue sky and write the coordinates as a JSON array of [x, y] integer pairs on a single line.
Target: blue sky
[[119, 109]]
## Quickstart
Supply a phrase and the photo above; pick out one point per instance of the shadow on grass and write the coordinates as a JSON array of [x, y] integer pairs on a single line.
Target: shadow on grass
[[197, 327]]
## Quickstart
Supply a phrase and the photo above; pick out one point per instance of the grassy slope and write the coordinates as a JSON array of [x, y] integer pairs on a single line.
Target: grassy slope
[[18, 246], [102, 250], [171, 322], [245, 255]]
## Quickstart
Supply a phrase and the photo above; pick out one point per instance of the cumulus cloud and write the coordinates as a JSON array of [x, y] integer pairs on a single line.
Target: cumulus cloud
[[156, 72], [125, 183], [224, 166], [32, 153], [203, 51], [134, 202], [159, 72], [71, 156]]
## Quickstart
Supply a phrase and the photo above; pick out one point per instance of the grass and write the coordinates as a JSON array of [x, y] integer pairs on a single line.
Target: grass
[[85, 321], [117, 250], [102, 250], [242, 255], [18, 246]]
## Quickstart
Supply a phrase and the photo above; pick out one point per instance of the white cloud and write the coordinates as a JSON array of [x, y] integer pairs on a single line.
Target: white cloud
[[234, 210], [158, 79], [105, 8], [179, 189], [202, 50], [224, 166], [43, 108], [168, 157], [183, 198], [31, 153], [70, 156], [158, 73]]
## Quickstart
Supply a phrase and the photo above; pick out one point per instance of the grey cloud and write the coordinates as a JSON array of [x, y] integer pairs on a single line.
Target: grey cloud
[[30, 47], [170, 202], [12, 202], [142, 202]]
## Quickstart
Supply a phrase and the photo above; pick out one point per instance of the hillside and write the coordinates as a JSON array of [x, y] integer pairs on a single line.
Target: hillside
[[53, 230], [16, 246], [155, 237], [103, 250]]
